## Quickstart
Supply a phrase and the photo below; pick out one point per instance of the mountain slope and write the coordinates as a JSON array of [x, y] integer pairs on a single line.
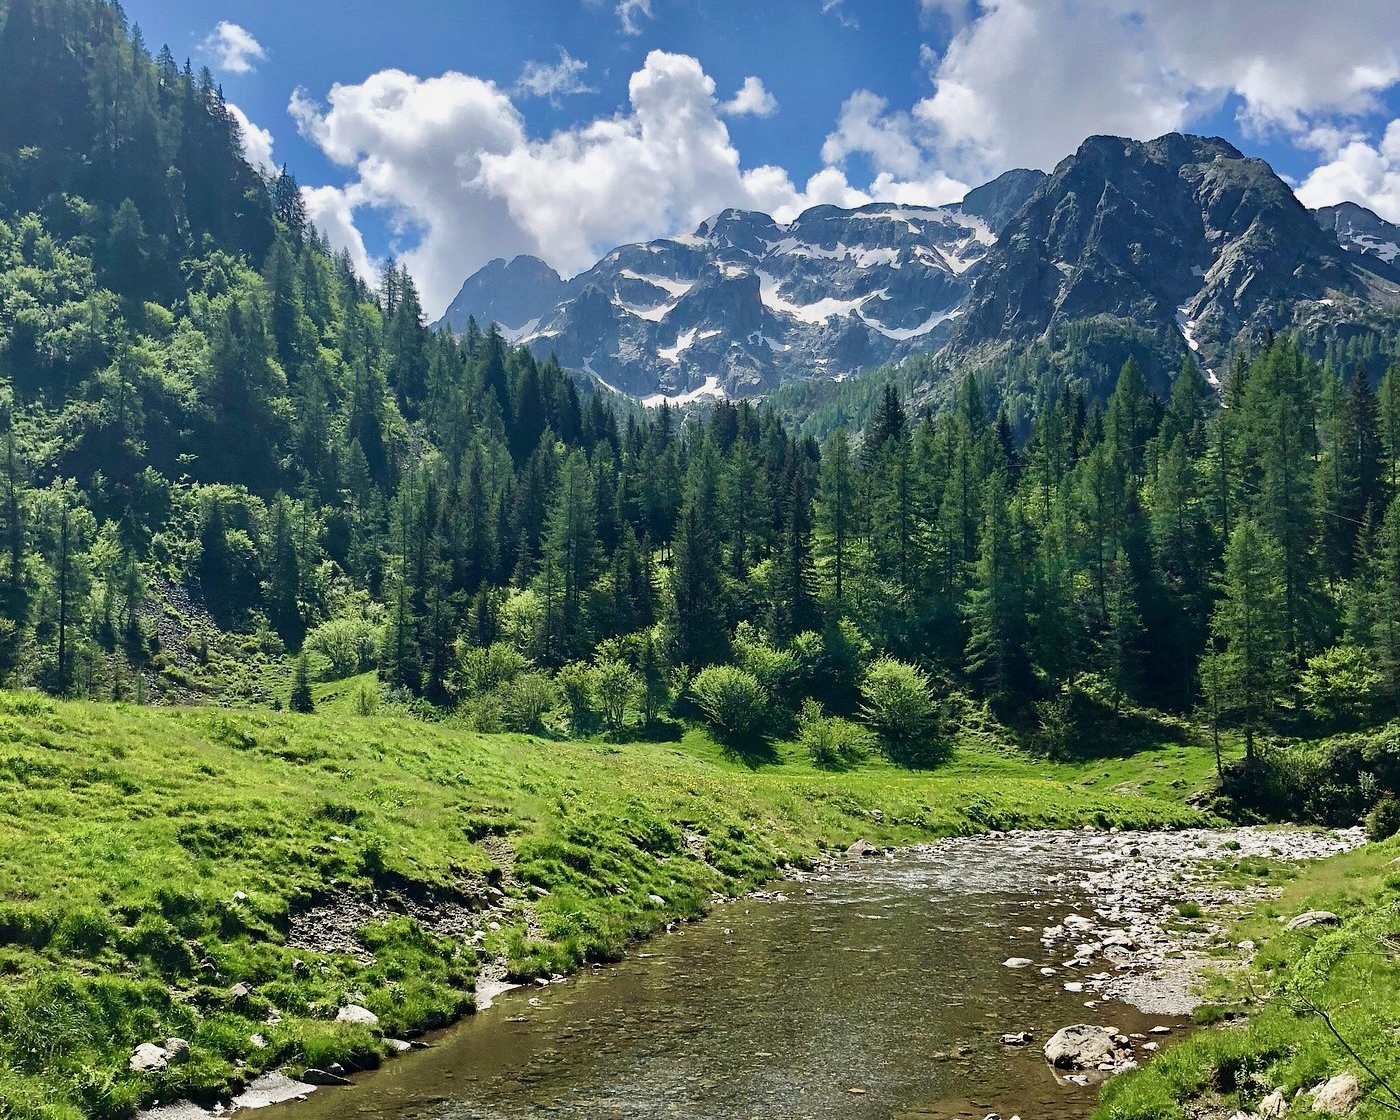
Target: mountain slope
[[1360, 230], [745, 303], [515, 296], [1179, 234]]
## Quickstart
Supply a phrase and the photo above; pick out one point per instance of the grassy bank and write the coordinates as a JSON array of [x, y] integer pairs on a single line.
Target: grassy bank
[[152, 861], [1350, 972]]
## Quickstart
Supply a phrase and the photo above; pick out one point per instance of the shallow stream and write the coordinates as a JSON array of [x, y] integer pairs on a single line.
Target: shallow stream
[[876, 990]]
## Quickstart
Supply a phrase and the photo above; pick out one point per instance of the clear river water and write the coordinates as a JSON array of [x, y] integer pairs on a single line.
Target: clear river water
[[875, 990]]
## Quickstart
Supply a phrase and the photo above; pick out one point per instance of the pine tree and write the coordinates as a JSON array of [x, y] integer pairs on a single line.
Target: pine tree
[[1250, 628], [301, 699], [835, 511]]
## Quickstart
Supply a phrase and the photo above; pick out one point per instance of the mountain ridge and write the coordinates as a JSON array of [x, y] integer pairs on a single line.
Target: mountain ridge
[[1184, 237]]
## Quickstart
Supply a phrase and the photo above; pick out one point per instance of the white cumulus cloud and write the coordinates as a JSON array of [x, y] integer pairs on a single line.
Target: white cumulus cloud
[[450, 160], [232, 48], [257, 142], [332, 211], [752, 99], [553, 80], [1022, 82], [1359, 171]]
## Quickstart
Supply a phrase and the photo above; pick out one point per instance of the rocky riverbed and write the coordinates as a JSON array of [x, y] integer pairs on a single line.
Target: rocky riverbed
[[989, 973], [1154, 920]]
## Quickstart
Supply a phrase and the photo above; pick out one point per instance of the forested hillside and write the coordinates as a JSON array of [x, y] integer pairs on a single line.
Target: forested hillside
[[210, 420]]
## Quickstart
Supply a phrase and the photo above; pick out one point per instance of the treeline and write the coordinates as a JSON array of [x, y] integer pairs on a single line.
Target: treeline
[[222, 405]]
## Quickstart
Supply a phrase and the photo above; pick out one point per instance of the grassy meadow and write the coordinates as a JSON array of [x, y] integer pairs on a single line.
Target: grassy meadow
[[154, 864]]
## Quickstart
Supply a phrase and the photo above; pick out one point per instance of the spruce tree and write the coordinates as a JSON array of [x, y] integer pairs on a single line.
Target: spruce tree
[[301, 698]]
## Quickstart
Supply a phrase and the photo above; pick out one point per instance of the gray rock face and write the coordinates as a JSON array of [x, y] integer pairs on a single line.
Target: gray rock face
[[515, 296], [1182, 240], [744, 303], [354, 1013], [1183, 233], [1361, 231], [862, 849], [148, 1058], [1080, 1047]]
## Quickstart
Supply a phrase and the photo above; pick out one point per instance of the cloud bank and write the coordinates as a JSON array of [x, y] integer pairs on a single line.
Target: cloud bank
[[450, 159], [1015, 83]]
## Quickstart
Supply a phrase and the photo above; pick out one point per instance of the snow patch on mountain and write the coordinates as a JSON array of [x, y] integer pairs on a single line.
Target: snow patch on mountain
[[710, 389]]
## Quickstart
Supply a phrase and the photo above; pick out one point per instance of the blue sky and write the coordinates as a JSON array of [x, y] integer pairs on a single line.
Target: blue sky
[[450, 132]]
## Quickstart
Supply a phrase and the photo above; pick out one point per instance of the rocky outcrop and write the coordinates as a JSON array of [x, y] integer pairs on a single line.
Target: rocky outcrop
[[354, 1013], [151, 1057], [1183, 234]]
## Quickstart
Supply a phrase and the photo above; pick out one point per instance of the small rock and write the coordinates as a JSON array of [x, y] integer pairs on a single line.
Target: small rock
[[1020, 1038], [656, 900], [399, 1044], [1079, 1047], [177, 1050], [315, 1076], [147, 1058], [239, 896], [1017, 962], [1160, 1030], [1338, 1096], [1314, 918], [354, 1013], [257, 1042], [862, 849], [1247, 946], [240, 992], [1273, 1106]]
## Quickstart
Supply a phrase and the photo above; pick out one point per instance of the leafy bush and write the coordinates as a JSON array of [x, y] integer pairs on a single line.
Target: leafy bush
[[351, 645], [483, 670], [830, 741], [526, 700], [732, 700], [615, 683], [1383, 821], [1340, 683], [575, 681], [899, 704], [774, 669]]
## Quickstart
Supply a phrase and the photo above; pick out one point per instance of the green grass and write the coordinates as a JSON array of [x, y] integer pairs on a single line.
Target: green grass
[[1351, 972], [151, 859]]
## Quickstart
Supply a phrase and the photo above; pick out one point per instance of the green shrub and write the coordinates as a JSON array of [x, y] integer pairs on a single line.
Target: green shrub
[[1339, 683], [899, 704], [774, 669], [351, 645], [482, 670], [575, 681], [615, 683], [1383, 821], [830, 741], [527, 700], [733, 701]]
